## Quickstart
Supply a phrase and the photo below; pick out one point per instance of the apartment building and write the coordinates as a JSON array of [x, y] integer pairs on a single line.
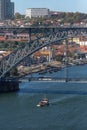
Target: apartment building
[[37, 12], [6, 9]]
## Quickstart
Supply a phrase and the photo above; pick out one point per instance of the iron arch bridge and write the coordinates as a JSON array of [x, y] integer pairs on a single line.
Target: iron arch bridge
[[53, 36]]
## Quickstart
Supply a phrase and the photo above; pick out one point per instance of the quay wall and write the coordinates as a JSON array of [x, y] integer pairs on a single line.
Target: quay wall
[[9, 86], [24, 70]]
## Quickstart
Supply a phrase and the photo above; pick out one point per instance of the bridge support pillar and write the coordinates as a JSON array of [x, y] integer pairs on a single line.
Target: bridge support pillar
[[9, 86]]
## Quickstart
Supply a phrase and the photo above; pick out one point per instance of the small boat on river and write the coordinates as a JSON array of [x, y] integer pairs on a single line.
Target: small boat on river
[[43, 102]]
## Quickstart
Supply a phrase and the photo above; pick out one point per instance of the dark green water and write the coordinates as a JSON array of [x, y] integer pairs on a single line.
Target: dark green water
[[67, 109]]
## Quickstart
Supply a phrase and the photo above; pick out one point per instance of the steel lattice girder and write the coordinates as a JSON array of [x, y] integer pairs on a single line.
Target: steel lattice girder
[[12, 60]]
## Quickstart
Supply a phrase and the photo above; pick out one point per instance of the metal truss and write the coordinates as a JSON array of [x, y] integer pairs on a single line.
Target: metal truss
[[12, 60]]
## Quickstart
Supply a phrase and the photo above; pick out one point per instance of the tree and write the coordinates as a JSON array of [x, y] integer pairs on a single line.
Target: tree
[[14, 72], [18, 16]]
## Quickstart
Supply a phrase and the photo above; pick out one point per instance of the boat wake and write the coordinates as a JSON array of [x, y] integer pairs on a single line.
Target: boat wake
[[53, 101]]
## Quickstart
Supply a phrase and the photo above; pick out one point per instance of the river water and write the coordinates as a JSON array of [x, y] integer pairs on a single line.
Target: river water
[[67, 109]]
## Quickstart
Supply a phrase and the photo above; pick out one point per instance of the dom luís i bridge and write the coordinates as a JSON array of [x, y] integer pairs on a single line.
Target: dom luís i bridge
[[39, 38]]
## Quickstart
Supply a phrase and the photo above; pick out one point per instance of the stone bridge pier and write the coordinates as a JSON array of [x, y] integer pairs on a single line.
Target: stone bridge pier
[[9, 86]]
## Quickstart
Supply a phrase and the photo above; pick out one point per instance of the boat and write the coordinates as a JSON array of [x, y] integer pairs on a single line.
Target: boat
[[44, 78], [43, 102]]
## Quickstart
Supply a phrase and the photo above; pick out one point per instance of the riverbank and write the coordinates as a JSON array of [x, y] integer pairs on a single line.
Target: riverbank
[[24, 70]]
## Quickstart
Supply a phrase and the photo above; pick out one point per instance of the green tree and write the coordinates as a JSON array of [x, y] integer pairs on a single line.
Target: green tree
[[17, 16]]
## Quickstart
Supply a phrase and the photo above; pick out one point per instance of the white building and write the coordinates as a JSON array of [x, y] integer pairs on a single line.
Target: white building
[[37, 12], [83, 43]]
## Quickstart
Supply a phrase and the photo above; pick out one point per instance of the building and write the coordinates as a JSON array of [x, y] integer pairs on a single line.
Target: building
[[24, 37], [9, 9], [37, 12], [2, 9], [6, 9]]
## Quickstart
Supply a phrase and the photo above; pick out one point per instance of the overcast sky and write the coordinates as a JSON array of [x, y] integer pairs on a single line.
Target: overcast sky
[[58, 5]]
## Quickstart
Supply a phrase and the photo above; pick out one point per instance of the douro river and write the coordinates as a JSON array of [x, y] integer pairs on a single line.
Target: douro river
[[67, 109]]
